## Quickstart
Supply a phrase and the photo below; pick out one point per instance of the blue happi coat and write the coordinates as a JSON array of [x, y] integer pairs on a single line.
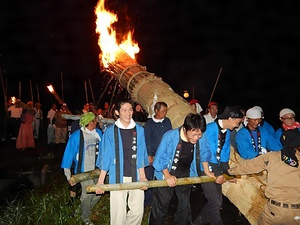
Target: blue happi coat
[[166, 151], [107, 159]]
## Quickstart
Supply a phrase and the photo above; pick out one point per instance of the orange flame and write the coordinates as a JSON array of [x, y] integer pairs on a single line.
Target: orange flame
[[107, 36], [13, 99]]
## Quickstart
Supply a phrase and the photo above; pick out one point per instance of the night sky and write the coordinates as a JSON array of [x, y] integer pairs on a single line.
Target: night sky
[[256, 43]]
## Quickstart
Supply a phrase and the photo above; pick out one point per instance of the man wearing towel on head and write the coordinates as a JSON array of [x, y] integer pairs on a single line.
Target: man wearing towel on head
[[82, 149]]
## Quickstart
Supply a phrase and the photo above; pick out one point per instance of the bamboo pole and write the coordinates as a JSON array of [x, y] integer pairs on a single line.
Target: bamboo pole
[[20, 90], [31, 93], [85, 90], [5, 103], [112, 96], [101, 119], [152, 183], [212, 93], [38, 93], [62, 86], [92, 92], [104, 91], [77, 178]]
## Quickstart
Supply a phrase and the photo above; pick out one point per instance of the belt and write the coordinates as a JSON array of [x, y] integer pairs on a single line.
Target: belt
[[285, 205]]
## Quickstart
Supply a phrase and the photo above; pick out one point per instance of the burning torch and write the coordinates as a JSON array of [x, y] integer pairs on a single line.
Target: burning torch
[[51, 89], [13, 99]]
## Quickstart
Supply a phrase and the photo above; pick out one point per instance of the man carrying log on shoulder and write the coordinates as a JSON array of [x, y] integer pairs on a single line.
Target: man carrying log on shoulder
[[82, 148], [180, 154], [124, 156], [283, 182]]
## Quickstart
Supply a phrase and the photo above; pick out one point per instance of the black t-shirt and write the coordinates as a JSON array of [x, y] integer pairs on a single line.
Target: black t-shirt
[[185, 159], [126, 135]]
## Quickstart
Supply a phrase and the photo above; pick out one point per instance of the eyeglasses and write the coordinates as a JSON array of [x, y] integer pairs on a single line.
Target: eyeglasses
[[288, 118]]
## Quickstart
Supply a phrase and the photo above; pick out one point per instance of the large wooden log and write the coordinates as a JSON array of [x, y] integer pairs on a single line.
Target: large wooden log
[[152, 183]]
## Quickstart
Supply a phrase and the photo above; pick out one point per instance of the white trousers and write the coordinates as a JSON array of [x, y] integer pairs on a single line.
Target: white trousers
[[119, 200]]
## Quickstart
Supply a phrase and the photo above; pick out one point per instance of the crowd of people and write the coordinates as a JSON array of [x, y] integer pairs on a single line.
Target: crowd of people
[[201, 146], [142, 147]]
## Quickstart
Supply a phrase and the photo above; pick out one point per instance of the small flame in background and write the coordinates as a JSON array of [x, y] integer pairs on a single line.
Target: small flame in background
[[13, 99], [50, 88], [107, 36]]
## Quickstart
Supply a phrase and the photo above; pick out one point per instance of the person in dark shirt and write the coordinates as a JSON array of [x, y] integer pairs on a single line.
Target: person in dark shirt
[[178, 156], [155, 128], [139, 115], [124, 156]]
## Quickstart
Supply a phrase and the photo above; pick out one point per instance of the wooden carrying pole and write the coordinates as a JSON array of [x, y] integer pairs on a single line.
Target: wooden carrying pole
[[152, 184]]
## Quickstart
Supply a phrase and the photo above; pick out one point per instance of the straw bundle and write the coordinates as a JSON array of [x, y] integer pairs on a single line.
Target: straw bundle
[[248, 194], [147, 89]]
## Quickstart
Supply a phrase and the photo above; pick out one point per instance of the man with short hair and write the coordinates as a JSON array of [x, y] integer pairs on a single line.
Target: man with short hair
[[217, 136], [180, 154], [61, 128], [155, 128], [82, 149], [124, 156], [212, 112]]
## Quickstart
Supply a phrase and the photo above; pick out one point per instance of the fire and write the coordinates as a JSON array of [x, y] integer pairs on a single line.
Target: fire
[[13, 99], [50, 88], [107, 36]]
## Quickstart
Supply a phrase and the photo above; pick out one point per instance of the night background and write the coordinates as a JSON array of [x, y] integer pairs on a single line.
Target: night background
[[256, 43]]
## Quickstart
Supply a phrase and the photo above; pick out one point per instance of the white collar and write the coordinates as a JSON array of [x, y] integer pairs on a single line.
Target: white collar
[[91, 132], [157, 120], [120, 125], [221, 125]]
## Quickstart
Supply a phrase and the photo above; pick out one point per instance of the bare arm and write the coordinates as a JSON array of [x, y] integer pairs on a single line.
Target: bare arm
[[101, 181], [143, 177]]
